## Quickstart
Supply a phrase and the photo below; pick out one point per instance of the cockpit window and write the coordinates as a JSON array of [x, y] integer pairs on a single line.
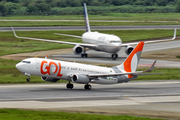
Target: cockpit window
[[113, 41], [28, 62]]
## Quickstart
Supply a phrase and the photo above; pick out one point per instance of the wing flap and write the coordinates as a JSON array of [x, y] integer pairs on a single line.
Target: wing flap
[[68, 35]]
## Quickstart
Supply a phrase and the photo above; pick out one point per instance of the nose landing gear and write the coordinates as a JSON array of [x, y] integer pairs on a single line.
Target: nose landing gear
[[114, 56], [28, 79], [26, 74]]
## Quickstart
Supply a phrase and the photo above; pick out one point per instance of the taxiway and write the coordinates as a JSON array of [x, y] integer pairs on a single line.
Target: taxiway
[[105, 58], [152, 98]]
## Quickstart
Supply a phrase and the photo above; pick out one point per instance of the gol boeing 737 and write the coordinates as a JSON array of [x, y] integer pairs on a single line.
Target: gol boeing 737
[[96, 41], [54, 70]]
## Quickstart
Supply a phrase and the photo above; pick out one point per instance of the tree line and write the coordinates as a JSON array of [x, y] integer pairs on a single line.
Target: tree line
[[69, 7]]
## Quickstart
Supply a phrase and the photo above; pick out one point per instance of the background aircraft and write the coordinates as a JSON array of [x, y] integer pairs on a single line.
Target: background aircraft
[[53, 70], [97, 41]]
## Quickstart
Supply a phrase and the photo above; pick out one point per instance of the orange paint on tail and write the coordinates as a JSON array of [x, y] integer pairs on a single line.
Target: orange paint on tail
[[127, 63]]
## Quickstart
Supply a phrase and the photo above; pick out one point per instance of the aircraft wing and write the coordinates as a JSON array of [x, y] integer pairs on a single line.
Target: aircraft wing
[[127, 73], [68, 35], [152, 41], [55, 41]]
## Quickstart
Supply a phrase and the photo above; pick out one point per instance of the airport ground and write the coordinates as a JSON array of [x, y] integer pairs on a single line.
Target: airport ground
[[150, 98]]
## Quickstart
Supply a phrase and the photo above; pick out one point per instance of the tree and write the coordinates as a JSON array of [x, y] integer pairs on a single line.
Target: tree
[[10, 7], [178, 6], [3, 10], [31, 9], [43, 7]]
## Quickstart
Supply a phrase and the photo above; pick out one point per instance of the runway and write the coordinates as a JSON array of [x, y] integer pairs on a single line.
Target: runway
[[145, 98], [103, 58], [152, 97], [143, 27]]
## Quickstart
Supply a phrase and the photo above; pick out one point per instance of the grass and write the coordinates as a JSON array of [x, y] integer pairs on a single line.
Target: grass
[[16, 114], [78, 23], [147, 18], [11, 45], [168, 74], [178, 57], [106, 16]]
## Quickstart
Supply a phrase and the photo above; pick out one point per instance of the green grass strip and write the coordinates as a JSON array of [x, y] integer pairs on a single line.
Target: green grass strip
[[16, 114]]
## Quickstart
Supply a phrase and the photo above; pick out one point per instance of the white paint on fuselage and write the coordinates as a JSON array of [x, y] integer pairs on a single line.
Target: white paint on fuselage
[[105, 42], [66, 69]]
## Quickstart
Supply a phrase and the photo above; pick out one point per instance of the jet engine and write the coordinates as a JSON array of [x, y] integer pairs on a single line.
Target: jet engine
[[79, 78], [77, 49], [129, 49], [49, 79]]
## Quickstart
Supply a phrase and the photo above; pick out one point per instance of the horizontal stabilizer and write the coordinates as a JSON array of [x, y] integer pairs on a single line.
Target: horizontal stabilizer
[[128, 73], [151, 68]]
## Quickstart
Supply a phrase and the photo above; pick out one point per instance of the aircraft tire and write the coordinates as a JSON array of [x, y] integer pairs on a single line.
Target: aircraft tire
[[87, 87], [84, 55], [28, 79], [69, 86], [114, 56]]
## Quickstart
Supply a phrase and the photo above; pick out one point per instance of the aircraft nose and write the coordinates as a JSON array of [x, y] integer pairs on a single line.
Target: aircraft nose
[[19, 66]]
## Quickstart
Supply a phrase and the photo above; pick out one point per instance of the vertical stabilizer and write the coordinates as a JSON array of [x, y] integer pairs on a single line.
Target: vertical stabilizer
[[86, 19], [132, 61]]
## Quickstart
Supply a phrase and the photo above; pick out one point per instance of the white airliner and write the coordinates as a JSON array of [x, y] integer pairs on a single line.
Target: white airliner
[[97, 41], [54, 70]]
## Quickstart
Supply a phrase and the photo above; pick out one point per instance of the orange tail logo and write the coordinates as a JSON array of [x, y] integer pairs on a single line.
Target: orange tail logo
[[132, 58]]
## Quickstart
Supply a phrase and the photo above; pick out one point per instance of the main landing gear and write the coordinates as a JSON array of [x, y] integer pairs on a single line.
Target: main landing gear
[[84, 54], [114, 56], [69, 86], [87, 87]]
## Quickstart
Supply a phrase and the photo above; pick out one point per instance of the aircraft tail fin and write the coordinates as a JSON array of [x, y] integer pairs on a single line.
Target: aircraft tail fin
[[132, 61], [86, 19]]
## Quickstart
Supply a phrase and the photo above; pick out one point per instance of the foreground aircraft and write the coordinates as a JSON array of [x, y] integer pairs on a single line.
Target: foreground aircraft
[[54, 70], [96, 41]]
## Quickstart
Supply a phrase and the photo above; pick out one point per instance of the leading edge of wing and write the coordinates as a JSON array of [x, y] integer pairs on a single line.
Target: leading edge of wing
[[54, 41], [152, 41]]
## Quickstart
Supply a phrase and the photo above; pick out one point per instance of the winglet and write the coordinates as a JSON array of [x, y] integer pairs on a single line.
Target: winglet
[[14, 32], [86, 19], [151, 68], [174, 37]]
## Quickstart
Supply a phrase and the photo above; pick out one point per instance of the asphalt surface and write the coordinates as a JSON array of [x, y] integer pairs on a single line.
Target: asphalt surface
[[105, 58], [92, 28], [154, 98]]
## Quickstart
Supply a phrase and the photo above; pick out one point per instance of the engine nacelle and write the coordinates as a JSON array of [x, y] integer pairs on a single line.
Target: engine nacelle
[[79, 78], [49, 79], [129, 49], [77, 50]]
